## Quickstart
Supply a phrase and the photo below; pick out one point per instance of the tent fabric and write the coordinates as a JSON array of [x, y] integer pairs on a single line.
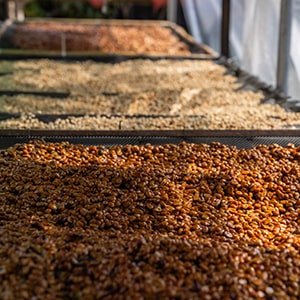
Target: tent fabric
[[254, 35]]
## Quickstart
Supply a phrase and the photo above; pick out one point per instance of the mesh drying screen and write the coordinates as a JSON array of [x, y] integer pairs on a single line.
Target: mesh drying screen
[[240, 139]]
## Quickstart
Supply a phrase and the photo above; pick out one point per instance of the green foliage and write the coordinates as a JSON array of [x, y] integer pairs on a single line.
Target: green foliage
[[33, 9]]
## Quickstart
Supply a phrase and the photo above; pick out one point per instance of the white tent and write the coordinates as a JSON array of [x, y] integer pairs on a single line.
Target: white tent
[[254, 33]]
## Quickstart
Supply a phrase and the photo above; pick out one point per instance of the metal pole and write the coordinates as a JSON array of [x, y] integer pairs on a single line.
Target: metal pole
[[20, 10], [172, 11], [63, 45], [284, 43], [225, 30], [11, 9]]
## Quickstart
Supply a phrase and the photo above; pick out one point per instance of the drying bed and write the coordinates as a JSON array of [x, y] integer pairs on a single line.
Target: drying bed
[[171, 221], [202, 94], [99, 38]]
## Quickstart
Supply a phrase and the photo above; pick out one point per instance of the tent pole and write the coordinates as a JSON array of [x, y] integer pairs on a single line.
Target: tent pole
[[284, 43], [225, 30]]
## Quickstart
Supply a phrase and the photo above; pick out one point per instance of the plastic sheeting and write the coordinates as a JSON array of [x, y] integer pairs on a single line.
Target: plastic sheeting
[[254, 35]]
